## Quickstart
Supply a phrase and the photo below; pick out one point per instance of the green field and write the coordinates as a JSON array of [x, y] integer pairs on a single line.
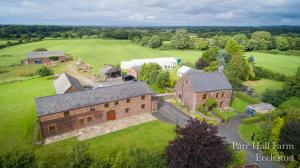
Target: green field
[[2, 41], [95, 52], [261, 85], [17, 120], [285, 64], [98, 52], [246, 131]]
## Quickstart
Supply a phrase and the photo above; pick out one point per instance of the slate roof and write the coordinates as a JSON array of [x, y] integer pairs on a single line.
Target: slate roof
[[208, 81], [63, 102], [45, 54], [64, 82]]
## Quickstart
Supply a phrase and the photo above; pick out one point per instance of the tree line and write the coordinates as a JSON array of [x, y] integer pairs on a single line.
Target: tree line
[[262, 38]]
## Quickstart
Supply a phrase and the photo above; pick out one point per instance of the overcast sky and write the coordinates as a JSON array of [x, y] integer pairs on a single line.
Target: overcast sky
[[151, 12]]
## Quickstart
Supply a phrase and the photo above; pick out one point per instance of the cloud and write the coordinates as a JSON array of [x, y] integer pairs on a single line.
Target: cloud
[[151, 12]]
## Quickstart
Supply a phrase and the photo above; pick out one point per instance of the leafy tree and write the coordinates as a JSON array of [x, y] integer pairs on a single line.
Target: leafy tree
[[292, 86], [144, 41], [251, 59], [223, 57], [45, 71], [238, 69], [282, 43], [212, 67], [197, 145], [201, 64], [80, 157], [290, 134], [201, 44], [211, 103], [262, 40], [181, 40], [211, 55], [155, 42], [220, 41], [136, 158], [275, 97], [24, 159], [163, 79], [233, 48], [149, 72], [240, 39]]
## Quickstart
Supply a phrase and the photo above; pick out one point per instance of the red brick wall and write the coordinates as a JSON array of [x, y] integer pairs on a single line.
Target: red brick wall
[[71, 122], [184, 92], [44, 60]]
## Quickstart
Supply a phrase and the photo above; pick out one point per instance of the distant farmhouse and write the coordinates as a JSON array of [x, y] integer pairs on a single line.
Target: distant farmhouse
[[66, 84], [195, 87], [165, 63], [66, 112], [44, 57]]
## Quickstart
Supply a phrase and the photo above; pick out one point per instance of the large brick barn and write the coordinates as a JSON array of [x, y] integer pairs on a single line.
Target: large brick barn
[[195, 87], [44, 57], [66, 112]]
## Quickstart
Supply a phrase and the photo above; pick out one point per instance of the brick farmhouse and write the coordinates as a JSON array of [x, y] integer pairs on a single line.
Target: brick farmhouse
[[44, 57], [66, 112], [195, 87]]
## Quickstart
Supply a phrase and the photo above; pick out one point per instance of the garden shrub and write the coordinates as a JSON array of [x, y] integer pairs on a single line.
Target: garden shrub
[[45, 71], [219, 115], [261, 72], [246, 98]]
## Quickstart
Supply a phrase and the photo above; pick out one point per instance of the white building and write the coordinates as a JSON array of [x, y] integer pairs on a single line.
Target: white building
[[182, 70], [165, 63]]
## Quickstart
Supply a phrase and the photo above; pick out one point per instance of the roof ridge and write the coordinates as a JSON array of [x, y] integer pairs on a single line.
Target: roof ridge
[[89, 90]]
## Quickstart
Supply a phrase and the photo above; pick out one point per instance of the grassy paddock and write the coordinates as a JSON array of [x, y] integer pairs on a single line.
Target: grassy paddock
[[98, 52], [17, 114], [95, 52], [285, 64], [262, 85]]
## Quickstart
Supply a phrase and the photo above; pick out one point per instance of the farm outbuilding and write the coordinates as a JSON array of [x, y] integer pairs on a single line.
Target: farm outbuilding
[[182, 70], [67, 112], [66, 84], [165, 63], [252, 109], [44, 57], [110, 71]]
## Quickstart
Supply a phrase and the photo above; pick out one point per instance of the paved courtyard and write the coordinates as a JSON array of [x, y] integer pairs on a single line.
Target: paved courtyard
[[104, 128]]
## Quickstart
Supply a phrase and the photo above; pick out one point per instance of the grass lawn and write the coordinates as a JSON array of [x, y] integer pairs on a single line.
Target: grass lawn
[[95, 52], [285, 64], [3, 41], [239, 105], [261, 85], [153, 135], [17, 114], [246, 131], [18, 73], [17, 120]]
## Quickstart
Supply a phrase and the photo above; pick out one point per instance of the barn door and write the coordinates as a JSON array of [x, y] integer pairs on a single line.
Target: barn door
[[111, 115]]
